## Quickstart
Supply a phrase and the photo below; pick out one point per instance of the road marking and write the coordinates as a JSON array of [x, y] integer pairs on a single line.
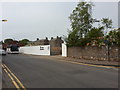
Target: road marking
[[88, 64], [73, 62], [19, 82], [15, 77], [13, 81]]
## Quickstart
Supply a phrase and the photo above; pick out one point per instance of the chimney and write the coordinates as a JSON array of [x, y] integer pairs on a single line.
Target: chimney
[[46, 38], [37, 39], [57, 37], [51, 38]]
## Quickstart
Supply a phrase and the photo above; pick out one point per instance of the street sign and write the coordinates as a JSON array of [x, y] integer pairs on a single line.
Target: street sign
[[106, 41]]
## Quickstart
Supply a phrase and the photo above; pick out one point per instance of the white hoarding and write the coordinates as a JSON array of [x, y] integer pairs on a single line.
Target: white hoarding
[[36, 50]]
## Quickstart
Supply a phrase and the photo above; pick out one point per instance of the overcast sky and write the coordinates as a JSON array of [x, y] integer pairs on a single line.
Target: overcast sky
[[46, 19]]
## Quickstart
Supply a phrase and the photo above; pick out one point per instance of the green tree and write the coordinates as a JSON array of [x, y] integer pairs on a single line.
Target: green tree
[[118, 37], [95, 33], [114, 36], [81, 20], [24, 41], [72, 39], [81, 23], [7, 41], [83, 30], [107, 23]]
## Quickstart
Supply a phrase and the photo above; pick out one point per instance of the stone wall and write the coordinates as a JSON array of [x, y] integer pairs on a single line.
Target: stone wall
[[95, 53]]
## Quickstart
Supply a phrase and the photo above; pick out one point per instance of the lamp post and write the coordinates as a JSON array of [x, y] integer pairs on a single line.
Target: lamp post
[[4, 20]]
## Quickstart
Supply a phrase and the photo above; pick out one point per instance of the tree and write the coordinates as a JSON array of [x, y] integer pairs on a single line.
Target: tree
[[81, 23], [95, 33], [118, 37], [83, 30], [24, 41], [72, 39], [81, 20], [7, 41], [114, 36], [107, 24], [95, 36]]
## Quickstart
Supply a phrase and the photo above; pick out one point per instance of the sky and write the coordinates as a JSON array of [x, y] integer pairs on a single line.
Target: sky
[[119, 14], [0, 22], [33, 20]]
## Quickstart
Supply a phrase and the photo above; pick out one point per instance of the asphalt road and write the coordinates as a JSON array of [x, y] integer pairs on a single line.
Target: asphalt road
[[0, 72], [36, 72]]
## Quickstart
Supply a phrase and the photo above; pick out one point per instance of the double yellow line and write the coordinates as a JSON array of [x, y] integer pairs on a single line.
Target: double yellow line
[[14, 79]]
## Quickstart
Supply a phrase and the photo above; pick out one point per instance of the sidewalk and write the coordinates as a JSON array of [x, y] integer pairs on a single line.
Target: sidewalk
[[93, 62]]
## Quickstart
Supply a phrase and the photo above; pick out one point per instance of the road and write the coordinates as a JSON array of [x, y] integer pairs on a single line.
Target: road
[[36, 72], [0, 73]]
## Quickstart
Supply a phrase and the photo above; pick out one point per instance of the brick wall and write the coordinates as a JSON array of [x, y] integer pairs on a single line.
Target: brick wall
[[95, 53]]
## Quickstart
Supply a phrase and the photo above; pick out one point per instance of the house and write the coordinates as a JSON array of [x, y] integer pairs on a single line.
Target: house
[[40, 42], [56, 45], [56, 42]]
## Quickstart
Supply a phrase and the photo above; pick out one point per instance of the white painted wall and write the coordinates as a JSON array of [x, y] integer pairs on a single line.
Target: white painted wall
[[36, 50], [64, 50]]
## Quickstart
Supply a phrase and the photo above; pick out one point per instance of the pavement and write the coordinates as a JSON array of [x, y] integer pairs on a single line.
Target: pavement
[[39, 72], [93, 62]]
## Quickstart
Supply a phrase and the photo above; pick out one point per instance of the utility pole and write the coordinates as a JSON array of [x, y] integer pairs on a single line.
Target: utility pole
[[108, 52], [107, 42]]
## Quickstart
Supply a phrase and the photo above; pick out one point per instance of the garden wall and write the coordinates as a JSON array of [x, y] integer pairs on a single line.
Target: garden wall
[[95, 53]]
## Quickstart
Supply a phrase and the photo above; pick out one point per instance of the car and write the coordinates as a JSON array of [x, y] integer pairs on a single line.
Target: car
[[2, 52]]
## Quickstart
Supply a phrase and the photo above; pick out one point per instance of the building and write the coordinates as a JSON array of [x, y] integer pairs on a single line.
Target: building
[[56, 42], [40, 42], [56, 45]]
